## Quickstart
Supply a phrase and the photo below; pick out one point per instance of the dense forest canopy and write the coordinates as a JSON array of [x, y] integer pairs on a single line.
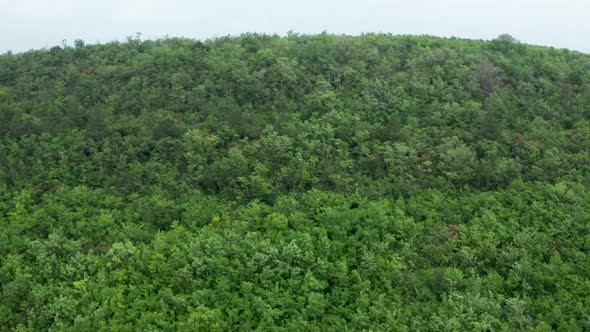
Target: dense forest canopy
[[309, 183]]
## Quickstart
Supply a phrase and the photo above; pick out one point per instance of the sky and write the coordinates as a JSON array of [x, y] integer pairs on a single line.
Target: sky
[[35, 24]]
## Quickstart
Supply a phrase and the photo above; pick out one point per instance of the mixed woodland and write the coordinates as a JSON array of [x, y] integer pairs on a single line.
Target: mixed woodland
[[295, 183]]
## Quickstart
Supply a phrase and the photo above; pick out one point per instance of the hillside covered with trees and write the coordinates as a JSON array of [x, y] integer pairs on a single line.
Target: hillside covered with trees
[[298, 183]]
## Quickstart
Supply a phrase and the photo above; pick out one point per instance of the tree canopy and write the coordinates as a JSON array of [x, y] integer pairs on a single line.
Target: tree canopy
[[306, 183]]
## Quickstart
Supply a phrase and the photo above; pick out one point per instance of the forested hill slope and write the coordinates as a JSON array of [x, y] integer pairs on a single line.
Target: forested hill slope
[[295, 183]]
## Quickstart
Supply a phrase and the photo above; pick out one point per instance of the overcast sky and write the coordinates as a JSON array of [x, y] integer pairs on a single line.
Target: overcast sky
[[33, 24]]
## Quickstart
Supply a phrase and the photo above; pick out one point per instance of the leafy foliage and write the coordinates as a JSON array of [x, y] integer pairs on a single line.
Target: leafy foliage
[[295, 183]]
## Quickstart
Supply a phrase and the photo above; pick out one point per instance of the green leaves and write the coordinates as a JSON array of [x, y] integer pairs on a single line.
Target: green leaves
[[309, 183]]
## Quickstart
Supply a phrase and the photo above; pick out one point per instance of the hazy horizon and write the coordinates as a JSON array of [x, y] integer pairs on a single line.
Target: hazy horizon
[[35, 24]]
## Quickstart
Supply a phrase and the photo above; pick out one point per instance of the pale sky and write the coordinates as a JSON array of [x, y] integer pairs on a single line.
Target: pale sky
[[34, 24]]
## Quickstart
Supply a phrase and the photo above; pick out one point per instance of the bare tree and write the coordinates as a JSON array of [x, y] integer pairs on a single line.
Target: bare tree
[[488, 76]]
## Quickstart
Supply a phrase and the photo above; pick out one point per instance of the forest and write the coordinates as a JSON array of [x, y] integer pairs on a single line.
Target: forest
[[295, 183]]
